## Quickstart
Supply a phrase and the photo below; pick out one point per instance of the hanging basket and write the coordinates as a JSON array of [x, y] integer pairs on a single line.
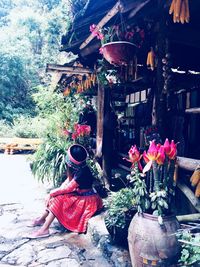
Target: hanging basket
[[119, 53]]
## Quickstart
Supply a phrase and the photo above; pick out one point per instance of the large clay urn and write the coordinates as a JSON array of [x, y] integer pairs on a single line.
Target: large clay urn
[[119, 53], [152, 244]]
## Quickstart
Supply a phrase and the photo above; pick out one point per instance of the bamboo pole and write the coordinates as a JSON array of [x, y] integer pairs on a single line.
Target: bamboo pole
[[189, 217]]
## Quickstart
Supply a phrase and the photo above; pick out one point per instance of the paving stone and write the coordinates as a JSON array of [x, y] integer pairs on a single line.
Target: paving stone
[[8, 245], [23, 255], [48, 255], [64, 263]]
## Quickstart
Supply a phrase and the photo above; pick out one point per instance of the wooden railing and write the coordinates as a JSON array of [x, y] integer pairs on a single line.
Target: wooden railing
[[9, 145]]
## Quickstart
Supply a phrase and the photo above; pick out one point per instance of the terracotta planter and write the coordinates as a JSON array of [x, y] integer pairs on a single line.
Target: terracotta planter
[[119, 53], [151, 244]]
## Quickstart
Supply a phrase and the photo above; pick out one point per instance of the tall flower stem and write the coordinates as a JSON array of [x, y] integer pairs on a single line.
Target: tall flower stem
[[156, 176], [165, 176]]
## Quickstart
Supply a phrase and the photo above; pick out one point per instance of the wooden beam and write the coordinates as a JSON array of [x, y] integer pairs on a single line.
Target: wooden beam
[[138, 8], [190, 195], [89, 49], [68, 70], [188, 163], [193, 110], [105, 19]]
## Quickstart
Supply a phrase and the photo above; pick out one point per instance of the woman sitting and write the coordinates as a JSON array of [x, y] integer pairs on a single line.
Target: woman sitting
[[74, 202]]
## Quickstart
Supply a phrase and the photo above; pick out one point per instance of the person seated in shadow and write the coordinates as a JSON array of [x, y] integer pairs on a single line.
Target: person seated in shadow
[[75, 201]]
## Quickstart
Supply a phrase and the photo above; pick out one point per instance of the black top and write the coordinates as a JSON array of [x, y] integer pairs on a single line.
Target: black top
[[84, 178]]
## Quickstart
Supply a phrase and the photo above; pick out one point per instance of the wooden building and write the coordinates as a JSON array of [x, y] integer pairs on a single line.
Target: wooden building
[[139, 101]]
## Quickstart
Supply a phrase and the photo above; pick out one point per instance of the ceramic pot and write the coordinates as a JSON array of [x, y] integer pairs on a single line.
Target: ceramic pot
[[152, 244]]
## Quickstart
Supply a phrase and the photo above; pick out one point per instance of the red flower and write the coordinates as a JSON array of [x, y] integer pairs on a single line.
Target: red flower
[[81, 130]]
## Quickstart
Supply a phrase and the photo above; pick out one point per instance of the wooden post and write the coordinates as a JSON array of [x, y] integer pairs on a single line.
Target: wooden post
[[160, 97], [108, 136], [104, 137], [100, 118]]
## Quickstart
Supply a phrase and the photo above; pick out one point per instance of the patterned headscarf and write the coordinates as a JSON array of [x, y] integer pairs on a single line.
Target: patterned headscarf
[[72, 162]]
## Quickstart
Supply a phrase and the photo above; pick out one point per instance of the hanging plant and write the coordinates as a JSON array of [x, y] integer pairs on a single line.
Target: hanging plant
[[119, 43]]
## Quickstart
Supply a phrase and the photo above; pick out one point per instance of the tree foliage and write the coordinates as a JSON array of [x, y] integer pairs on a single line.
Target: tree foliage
[[30, 38]]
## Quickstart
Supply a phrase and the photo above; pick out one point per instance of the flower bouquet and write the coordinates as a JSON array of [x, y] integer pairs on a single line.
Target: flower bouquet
[[152, 231], [154, 184]]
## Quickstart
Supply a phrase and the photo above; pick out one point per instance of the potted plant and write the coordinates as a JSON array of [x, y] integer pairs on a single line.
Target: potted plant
[[119, 44], [151, 237], [119, 213], [190, 248]]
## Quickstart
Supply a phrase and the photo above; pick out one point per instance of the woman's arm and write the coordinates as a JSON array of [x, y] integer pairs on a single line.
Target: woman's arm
[[64, 184], [69, 188]]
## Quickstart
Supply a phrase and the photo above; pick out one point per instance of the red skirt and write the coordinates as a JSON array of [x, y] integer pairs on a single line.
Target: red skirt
[[73, 211]]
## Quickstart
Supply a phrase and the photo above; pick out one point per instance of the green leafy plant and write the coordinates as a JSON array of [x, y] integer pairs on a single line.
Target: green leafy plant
[[190, 252], [139, 189], [49, 160], [118, 205], [48, 163]]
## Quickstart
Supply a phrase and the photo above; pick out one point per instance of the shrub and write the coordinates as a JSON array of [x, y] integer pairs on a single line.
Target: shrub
[[6, 129], [28, 127]]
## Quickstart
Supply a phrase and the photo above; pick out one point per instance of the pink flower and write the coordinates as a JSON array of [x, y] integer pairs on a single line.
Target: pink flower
[[66, 132], [173, 150], [74, 136], [100, 36], [92, 27], [161, 155], [134, 157], [145, 157], [167, 146], [134, 154], [152, 151], [101, 50]]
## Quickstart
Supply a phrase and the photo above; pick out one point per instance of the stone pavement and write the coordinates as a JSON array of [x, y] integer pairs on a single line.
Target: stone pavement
[[21, 200]]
